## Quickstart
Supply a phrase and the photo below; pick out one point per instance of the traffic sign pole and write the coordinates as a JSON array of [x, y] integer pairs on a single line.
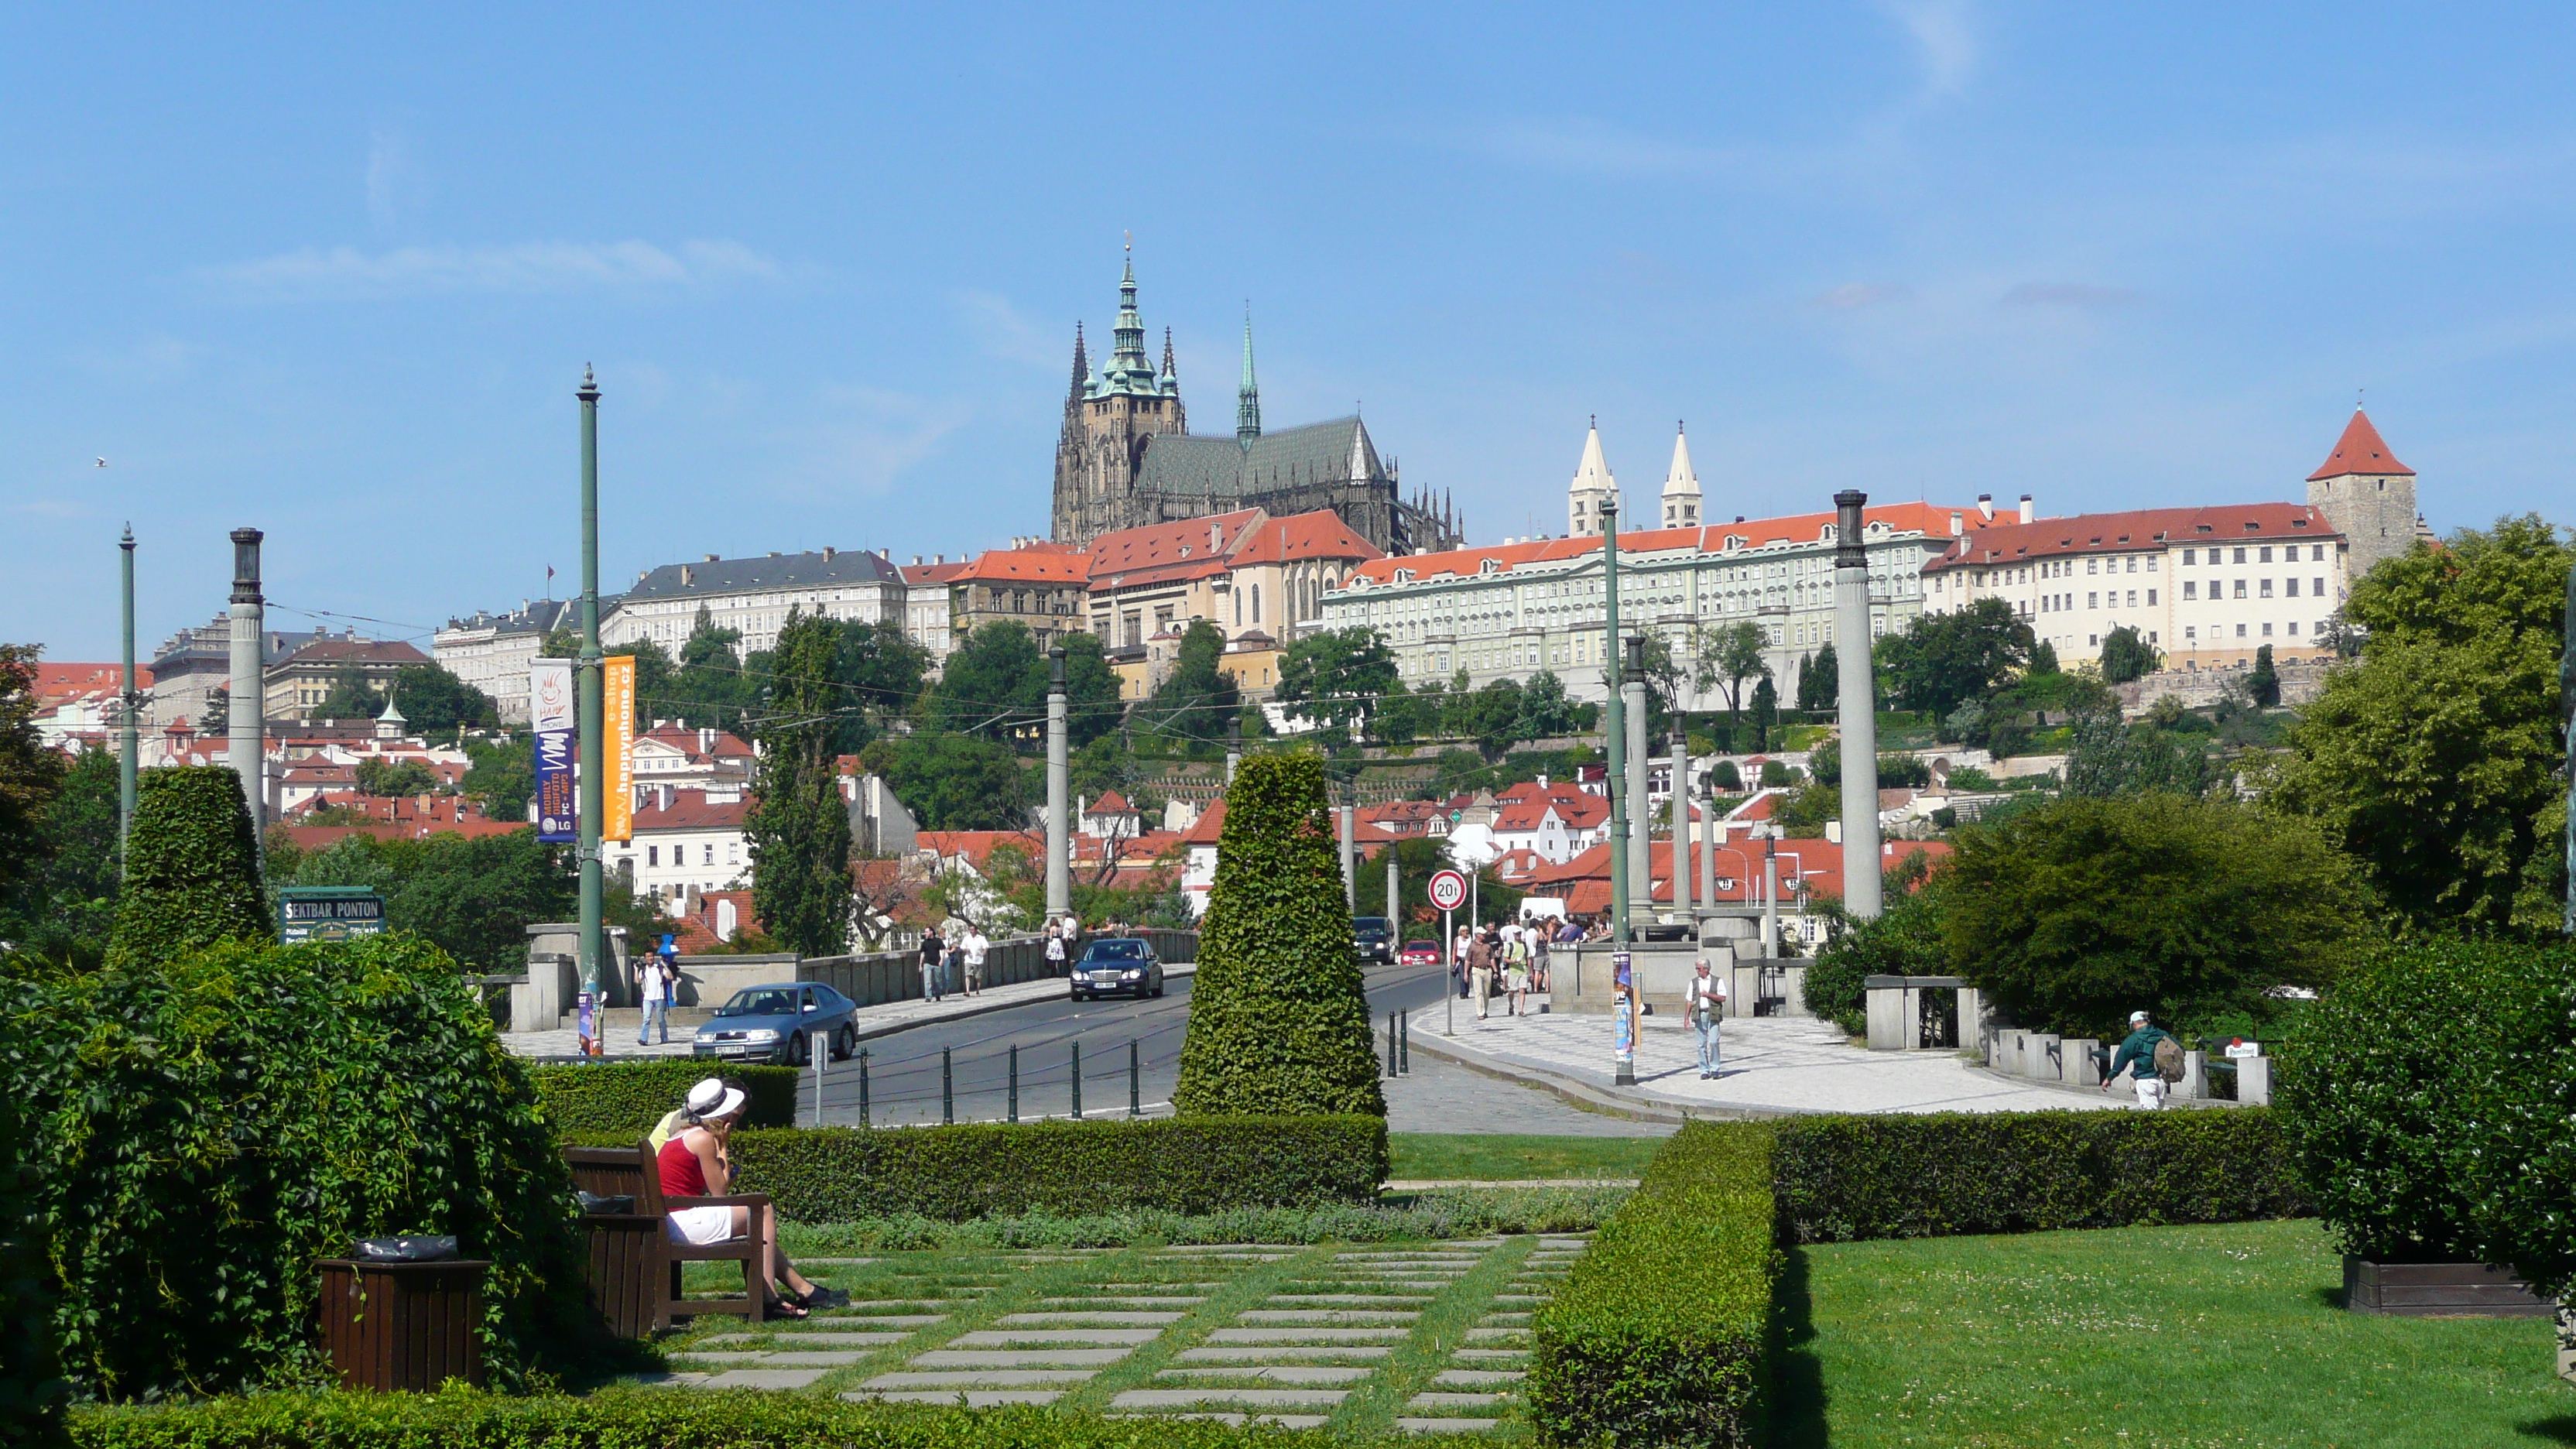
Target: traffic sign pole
[[1448, 891]]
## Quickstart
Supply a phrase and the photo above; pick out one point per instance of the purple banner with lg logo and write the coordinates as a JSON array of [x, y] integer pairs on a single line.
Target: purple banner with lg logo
[[550, 714]]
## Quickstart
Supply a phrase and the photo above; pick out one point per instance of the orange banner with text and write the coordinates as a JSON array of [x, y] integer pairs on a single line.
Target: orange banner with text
[[617, 783]]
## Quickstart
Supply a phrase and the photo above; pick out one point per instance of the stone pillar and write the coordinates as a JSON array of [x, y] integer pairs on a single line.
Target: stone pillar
[[1641, 882], [1350, 867], [1886, 1008], [2038, 1056], [1708, 857], [1858, 705], [2195, 1077], [2081, 1069], [1682, 833], [1059, 835], [2254, 1081], [247, 711]]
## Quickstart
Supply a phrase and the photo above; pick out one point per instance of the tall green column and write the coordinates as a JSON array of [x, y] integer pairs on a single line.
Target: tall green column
[[129, 745], [1614, 723], [589, 722]]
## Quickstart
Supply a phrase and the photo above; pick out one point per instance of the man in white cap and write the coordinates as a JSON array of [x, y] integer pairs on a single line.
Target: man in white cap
[[2138, 1058]]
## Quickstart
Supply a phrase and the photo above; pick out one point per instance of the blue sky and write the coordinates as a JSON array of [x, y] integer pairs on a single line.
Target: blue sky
[[336, 273]]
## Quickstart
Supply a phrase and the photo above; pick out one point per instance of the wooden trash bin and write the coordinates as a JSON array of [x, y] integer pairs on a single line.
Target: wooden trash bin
[[403, 1327], [624, 1254]]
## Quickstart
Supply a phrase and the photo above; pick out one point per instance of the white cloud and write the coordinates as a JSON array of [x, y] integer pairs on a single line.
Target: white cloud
[[344, 273], [1947, 46], [394, 185], [1000, 330], [865, 438]]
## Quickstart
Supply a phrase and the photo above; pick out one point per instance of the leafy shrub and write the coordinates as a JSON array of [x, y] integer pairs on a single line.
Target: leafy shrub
[[192, 867], [1850, 1179], [1659, 1333], [2430, 1102], [618, 1102], [1182, 1165], [1903, 940], [31, 1395], [1464, 1212], [209, 1126], [640, 1418], [1279, 1022]]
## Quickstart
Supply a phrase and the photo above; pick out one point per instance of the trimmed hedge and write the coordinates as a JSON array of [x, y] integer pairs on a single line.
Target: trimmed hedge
[[622, 1100], [639, 1418], [1852, 1178], [994, 1170], [1279, 1018], [191, 867], [1660, 1333], [1458, 1212]]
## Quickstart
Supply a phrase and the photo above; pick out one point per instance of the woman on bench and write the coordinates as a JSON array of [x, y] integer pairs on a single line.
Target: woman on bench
[[693, 1164]]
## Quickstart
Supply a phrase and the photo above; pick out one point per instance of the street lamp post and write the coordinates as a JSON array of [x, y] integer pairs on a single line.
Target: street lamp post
[[129, 747], [1623, 1045], [1059, 837], [590, 724]]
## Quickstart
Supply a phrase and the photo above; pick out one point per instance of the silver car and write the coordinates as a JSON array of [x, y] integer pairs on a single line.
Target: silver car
[[1117, 968], [778, 1023]]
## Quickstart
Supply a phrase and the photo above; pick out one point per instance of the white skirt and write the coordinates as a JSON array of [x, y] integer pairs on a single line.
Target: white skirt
[[699, 1226]]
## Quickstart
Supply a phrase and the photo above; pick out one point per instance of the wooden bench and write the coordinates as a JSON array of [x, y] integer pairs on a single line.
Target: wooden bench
[[634, 1266]]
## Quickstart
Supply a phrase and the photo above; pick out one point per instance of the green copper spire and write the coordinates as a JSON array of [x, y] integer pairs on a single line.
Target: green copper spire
[[1129, 371], [1247, 394]]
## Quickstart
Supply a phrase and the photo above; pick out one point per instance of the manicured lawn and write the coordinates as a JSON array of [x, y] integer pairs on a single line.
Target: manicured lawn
[[1461, 1156], [2137, 1337]]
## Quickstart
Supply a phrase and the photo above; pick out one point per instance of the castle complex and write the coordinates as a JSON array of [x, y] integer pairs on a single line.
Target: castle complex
[[1126, 457]]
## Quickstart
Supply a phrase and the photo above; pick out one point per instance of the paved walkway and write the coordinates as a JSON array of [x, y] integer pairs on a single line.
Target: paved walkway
[[1427, 1338], [1771, 1064], [874, 1021]]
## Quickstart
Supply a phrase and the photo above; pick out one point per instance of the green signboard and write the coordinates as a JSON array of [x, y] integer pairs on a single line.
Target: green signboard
[[329, 913]]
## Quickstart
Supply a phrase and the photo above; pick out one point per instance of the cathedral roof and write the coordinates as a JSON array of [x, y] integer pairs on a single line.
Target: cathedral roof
[[1327, 452], [2360, 450], [1592, 475], [1681, 479]]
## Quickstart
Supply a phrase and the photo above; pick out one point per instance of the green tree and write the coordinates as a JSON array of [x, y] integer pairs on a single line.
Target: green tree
[[2111, 758], [437, 703], [61, 908], [191, 868], [954, 782], [798, 825], [2127, 656], [385, 778], [1546, 712], [1905, 940], [2263, 682], [2434, 760], [1279, 1019], [1494, 716], [1728, 655], [2043, 658], [1940, 661], [712, 687], [501, 776], [349, 697], [994, 686], [1094, 702], [1766, 712], [473, 897], [2073, 914], [1335, 677], [1820, 680], [1198, 699]]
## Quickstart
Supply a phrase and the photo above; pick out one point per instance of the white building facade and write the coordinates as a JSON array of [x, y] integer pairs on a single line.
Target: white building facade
[[492, 652], [754, 596]]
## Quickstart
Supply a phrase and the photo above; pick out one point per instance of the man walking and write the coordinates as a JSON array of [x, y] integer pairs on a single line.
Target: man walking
[[1480, 971], [2138, 1058], [933, 951], [974, 950], [1704, 1007]]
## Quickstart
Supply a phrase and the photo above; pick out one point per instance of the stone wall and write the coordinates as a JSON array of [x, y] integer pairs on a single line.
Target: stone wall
[[2201, 688]]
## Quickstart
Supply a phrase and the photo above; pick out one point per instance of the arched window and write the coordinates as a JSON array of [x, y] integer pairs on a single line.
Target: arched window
[[1256, 603]]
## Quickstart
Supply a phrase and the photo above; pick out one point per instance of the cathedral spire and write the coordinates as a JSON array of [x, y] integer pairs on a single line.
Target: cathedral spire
[[1081, 363], [1129, 371], [1170, 375], [1247, 394]]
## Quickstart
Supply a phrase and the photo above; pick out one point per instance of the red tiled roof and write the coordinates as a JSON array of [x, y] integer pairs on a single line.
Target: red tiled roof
[[1210, 826], [354, 651], [1819, 863], [1929, 519], [1111, 803], [1320, 534], [690, 810], [1156, 545], [937, 573], [2134, 530], [2360, 451], [65, 681], [725, 746], [1039, 563]]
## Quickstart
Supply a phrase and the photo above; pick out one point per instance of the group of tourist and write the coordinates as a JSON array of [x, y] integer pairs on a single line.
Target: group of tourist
[[952, 961], [1509, 959], [690, 1157]]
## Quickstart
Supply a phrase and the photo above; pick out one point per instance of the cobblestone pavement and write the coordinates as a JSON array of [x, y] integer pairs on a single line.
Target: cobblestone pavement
[[1441, 1096], [1769, 1063], [1431, 1337]]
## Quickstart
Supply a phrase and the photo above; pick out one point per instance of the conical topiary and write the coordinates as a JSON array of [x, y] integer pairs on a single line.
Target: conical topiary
[[1279, 1020], [191, 868]]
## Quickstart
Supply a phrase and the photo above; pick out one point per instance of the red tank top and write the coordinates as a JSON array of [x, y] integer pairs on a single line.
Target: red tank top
[[682, 1175]]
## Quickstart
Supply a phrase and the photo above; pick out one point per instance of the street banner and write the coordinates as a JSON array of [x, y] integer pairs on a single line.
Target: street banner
[[617, 784], [550, 717]]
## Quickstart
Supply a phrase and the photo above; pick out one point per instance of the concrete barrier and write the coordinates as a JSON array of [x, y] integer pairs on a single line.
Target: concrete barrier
[[2254, 1081], [2039, 1056], [2082, 1070]]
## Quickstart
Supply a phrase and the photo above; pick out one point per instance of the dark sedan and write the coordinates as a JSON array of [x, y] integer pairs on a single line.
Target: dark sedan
[[1117, 968], [778, 1023], [1373, 939]]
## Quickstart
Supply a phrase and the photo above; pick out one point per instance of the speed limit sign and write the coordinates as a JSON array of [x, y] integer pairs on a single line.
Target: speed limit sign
[[1448, 890]]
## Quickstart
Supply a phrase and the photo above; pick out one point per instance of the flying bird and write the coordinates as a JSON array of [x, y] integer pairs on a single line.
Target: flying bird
[[102, 462]]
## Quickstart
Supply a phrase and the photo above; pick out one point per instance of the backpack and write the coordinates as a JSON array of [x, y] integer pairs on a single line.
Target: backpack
[[2169, 1059]]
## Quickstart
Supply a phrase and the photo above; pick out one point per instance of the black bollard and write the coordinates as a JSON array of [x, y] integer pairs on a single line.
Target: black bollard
[[947, 1090], [1015, 1081], [1077, 1081]]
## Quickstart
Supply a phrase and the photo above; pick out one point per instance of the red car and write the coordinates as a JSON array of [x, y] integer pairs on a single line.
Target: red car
[[1419, 953]]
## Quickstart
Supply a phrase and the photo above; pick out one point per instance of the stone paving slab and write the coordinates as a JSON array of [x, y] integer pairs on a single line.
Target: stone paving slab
[[1347, 1299], [1445, 1426], [1135, 1301], [812, 1340], [1275, 1353], [1111, 1317], [1477, 1378], [885, 1320], [1327, 1315], [975, 1398], [1284, 1421], [765, 1378], [1505, 1318], [1275, 1373], [777, 1360], [977, 1378], [1023, 1358], [1182, 1398], [1489, 1335], [1453, 1401], [1491, 1355], [1308, 1335], [1036, 1337]]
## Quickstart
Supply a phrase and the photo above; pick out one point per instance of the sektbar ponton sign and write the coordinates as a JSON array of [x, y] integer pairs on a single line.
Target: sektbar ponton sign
[[550, 715]]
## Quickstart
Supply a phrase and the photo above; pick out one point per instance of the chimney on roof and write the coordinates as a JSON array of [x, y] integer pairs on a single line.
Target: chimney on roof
[[662, 796], [2027, 513], [829, 553], [685, 576], [1986, 506], [713, 558], [916, 560], [1958, 523], [939, 558], [706, 741]]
